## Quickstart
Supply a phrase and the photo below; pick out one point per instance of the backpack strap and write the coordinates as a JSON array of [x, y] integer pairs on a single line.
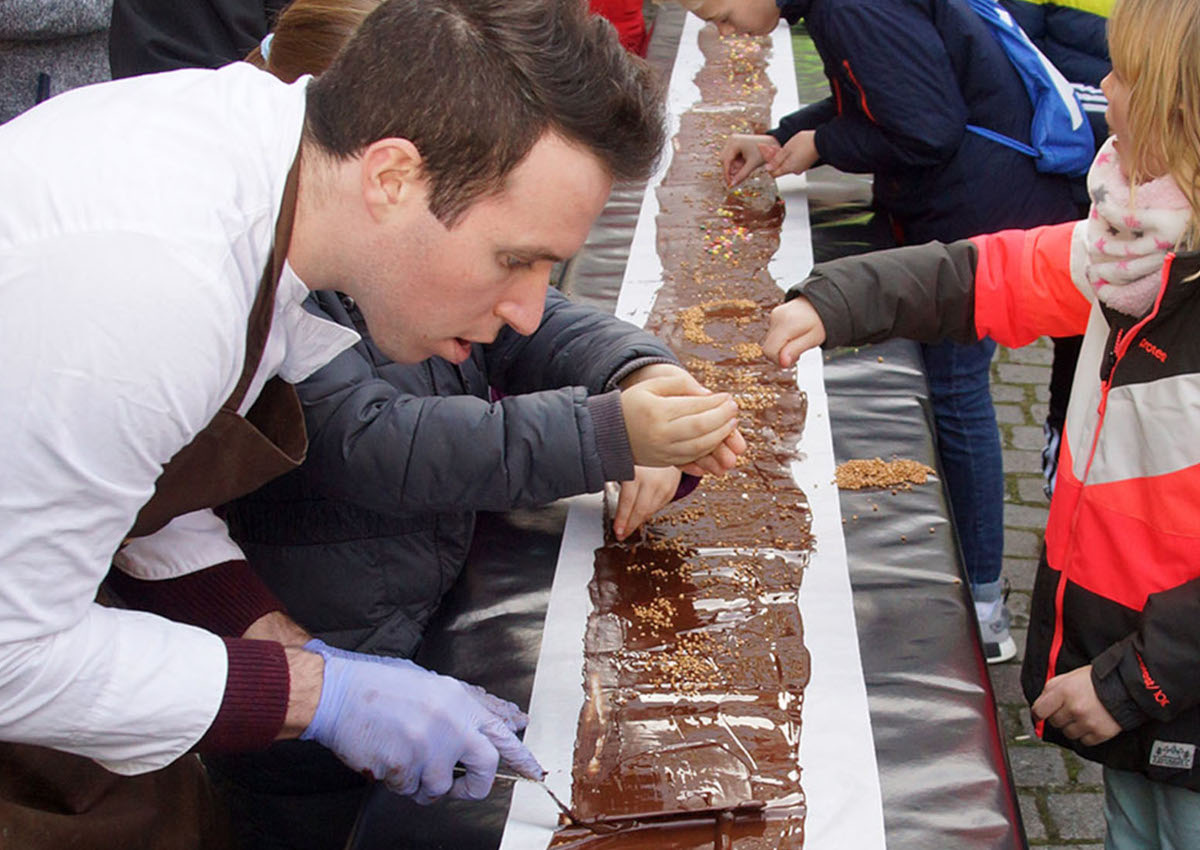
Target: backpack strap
[[1007, 141]]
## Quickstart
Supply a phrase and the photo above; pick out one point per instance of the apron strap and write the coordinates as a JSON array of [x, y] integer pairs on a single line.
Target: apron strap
[[259, 326]]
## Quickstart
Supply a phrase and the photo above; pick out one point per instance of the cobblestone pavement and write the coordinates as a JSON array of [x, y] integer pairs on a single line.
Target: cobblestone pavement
[[1062, 800]]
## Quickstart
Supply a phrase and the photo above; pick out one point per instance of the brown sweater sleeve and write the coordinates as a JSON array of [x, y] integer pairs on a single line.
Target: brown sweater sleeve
[[255, 702], [225, 598]]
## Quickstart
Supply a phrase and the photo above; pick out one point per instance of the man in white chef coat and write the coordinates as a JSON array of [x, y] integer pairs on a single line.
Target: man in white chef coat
[[158, 236]]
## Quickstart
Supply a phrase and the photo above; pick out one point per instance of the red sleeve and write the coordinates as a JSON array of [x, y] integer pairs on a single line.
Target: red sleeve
[[1024, 288]]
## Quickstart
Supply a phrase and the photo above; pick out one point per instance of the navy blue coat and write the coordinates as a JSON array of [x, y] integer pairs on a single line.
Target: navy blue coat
[[1074, 39], [907, 76]]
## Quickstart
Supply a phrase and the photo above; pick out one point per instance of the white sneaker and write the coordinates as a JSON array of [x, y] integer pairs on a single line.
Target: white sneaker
[[998, 643]]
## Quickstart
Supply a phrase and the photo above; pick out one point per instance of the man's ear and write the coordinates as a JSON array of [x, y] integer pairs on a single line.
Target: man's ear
[[391, 176]]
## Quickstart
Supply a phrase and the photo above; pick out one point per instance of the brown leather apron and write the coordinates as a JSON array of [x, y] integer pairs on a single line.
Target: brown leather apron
[[55, 800]]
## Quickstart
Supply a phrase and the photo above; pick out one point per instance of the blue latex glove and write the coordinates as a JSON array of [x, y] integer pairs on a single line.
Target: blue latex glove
[[409, 727], [513, 717]]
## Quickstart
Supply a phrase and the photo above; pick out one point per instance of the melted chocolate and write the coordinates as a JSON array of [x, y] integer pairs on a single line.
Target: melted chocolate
[[695, 665]]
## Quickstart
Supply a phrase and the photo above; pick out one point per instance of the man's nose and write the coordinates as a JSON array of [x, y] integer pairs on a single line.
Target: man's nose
[[523, 303]]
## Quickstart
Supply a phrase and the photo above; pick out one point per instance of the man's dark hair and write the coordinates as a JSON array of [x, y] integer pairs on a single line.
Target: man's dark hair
[[475, 83]]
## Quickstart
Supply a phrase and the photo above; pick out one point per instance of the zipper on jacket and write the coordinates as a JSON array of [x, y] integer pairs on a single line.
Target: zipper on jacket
[[1112, 357], [1120, 347], [1110, 360]]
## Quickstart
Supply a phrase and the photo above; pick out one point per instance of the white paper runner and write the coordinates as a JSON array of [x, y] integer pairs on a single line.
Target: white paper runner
[[837, 753]]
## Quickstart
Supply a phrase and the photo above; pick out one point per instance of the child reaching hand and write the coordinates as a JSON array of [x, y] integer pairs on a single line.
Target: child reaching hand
[[1114, 634]]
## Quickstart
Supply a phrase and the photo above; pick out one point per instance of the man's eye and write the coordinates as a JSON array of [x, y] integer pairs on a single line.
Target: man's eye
[[517, 263]]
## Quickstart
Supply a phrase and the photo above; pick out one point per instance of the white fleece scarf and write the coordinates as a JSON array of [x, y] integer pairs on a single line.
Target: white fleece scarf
[[1128, 242]]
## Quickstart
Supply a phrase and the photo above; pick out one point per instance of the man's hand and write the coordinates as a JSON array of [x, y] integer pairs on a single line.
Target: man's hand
[[796, 157], [795, 327], [668, 424], [743, 154], [513, 717], [1069, 702], [652, 488], [409, 727]]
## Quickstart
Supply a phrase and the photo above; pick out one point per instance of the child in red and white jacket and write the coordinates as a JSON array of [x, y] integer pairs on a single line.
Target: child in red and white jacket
[[1114, 635]]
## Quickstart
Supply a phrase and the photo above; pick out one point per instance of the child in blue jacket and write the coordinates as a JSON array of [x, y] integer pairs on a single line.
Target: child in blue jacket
[[906, 79]]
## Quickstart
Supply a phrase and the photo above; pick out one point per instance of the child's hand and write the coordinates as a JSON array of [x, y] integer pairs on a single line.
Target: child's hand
[[652, 489], [795, 328], [743, 154], [724, 456], [722, 459], [1069, 702], [796, 157], [672, 420]]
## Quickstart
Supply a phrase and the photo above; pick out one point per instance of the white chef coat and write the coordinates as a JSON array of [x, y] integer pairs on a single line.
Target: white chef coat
[[135, 221]]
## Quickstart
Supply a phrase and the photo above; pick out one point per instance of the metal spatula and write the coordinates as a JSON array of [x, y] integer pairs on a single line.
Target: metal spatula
[[609, 824]]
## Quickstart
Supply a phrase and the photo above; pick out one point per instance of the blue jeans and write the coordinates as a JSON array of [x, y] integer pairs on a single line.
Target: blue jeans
[[1145, 815], [969, 446]]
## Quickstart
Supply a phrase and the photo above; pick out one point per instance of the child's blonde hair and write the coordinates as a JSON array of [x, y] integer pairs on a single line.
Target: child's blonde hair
[[1155, 48]]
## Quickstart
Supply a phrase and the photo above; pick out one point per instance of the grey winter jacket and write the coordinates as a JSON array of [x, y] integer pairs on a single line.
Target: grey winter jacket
[[362, 541], [49, 46]]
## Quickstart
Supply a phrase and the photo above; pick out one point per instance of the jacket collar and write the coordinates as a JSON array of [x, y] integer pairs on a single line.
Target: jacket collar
[[1179, 291]]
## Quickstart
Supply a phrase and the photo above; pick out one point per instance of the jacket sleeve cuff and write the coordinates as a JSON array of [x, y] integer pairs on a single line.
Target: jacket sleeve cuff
[[830, 304], [612, 441], [632, 366], [224, 599], [1111, 690], [254, 705]]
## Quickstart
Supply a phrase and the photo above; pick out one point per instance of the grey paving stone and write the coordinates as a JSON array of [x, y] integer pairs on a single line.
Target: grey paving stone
[[1012, 725], [1079, 815], [1038, 412], [1006, 683], [1087, 772], [1020, 572], [1032, 354], [1007, 392], [1022, 460], [1040, 765], [1026, 516], [1019, 632], [1016, 373], [1020, 543], [1027, 437], [1030, 488], [1034, 828], [1018, 606], [1010, 414], [1041, 392], [1023, 730]]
